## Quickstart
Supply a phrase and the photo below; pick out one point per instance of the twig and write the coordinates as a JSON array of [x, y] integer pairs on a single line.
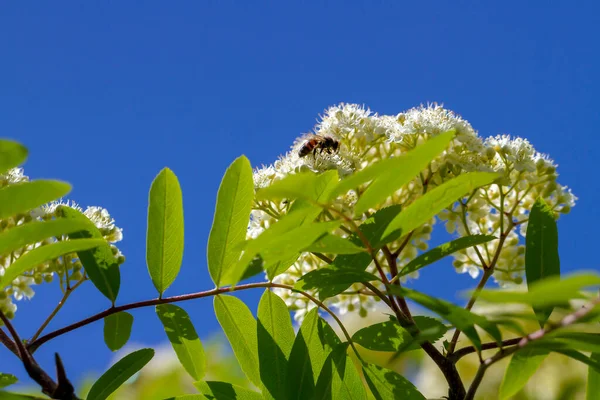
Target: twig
[[8, 343], [460, 353]]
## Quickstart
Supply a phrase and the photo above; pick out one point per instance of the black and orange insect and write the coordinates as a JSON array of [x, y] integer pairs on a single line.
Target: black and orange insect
[[316, 143]]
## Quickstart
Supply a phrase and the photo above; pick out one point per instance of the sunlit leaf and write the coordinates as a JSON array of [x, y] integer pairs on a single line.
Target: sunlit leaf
[[541, 250], [240, 327], [332, 244], [442, 251], [403, 170], [226, 391], [234, 203], [314, 341], [22, 197], [434, 201], [522, 366], [99, 263], [183, 338], [389, 385], [164, 241], [7, 379], [374, 226], [330, 281], [305, 185], [45, 253], [117, 329], [339, 379], [119, 373], [12, 154], [275, 340], [593, 381]]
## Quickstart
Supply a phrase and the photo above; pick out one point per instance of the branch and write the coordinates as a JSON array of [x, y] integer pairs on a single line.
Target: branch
[[458, 354], [8, 343]]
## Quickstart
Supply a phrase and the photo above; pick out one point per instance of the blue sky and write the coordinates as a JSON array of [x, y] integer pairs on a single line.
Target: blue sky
[[105, 94]]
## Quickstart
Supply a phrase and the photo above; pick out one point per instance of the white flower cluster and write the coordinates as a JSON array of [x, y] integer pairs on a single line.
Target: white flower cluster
[[68, 267], [498, 209]]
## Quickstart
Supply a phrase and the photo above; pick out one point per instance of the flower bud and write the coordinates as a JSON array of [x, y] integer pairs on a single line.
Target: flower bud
[[565, 209], [362, 312]]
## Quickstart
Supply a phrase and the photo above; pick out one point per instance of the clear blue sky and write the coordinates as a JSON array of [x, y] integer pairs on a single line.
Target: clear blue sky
[[105, 94]]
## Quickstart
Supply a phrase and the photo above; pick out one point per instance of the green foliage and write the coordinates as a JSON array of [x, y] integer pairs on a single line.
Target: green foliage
[[522, 366], [442, 251], [164, 244], [434, 201], [339, 378], [12, 154], [183, 338], [593, 381], [332, 280], [234, 203], [22, 197], [225, 391], [314, 188], [42, 254], [99, 263], [401, 170], [388, 385], [7, 379], [119, 373], [117, 329], [541, 254], [331, 244]]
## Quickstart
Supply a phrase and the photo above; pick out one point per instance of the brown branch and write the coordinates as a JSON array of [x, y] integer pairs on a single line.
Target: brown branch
[[8, 343], [460, 353]]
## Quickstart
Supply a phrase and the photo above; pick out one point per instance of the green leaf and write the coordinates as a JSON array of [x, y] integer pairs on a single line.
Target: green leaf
[[22, 197], [164, 241], [313, 343], [183, 338], [6, 379], [405, 168], [100, 263], [374, 226], [190, 397], [225, 391], [332, 244], [117, 329], [34, 231], [12, 154], [339, 379], [330, 281], [240, 328], [593, 382], [591, 362], [549, 292], [582, 341], [17, 396], [119, 373], [462, 319], [388, 385], [442, 251], [275, 340], [232, 213], [308, 186], [390, 336], [541, 250], [434, 201], [45, 253], [522, 366]]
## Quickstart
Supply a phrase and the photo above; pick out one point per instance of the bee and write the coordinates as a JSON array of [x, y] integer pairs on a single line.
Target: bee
[[316, 143]]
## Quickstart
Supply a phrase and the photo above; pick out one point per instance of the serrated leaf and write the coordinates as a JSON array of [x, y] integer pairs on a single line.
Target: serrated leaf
[[119, 373], [307, 186], [549, 292], [100, 263], [442, 251], [330, 281], [226, 391], [388, 385], [275, 340], [240, 327], [313, 343], [593, 380], [39, 255], [164, 241], [230, 223], [434, 201], [332, 244], [522, 366], [541, 250], [33, 232], [183, 338], [7, 379], [462, 319], [22, 197], [117, 329], [405, 168], [12, 154], [339, 379]]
